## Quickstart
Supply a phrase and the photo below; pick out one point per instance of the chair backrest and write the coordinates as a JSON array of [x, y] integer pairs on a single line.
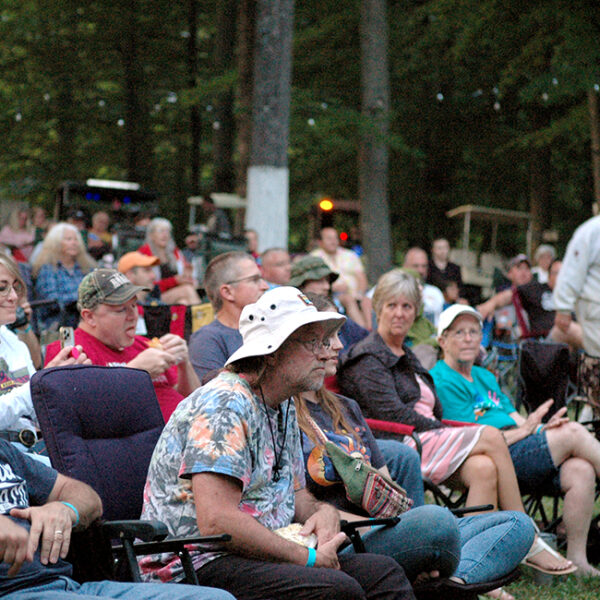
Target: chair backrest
[[100, 425], [543, 373]]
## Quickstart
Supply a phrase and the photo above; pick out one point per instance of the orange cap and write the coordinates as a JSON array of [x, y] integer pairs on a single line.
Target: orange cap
[[136, 259]]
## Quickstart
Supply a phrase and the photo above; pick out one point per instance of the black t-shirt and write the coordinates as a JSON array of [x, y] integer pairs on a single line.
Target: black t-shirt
[[536, 299], [438, 276], [25, 482], [322, 479]]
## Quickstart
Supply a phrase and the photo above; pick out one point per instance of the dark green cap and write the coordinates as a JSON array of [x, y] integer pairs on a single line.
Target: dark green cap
[[106, 286], [310, 268]]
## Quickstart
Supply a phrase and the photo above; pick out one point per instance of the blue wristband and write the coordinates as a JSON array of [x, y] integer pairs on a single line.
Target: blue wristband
[[74, 510], [312, 557], [539, 429]]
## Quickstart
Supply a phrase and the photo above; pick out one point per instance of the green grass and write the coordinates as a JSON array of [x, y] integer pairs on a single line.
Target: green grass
[[568, 587]]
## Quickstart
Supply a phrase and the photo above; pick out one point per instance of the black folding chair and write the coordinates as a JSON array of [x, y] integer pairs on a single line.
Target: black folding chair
[[100, 425]]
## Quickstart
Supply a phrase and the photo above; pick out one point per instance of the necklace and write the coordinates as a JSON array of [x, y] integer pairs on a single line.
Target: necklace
[[277, 466]]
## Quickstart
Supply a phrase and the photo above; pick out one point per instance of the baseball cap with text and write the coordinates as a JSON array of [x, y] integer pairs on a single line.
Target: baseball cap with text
[[106, 286]]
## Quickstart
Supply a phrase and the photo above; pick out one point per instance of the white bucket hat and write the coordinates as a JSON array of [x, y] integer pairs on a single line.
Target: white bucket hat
[[452, 313], [267, 323]]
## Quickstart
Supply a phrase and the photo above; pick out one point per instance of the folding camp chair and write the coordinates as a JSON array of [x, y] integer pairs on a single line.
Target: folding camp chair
[[176, 318], [100, 425]]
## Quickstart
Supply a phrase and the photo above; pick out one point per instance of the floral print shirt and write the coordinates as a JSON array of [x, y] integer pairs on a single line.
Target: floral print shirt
[[222, 427]]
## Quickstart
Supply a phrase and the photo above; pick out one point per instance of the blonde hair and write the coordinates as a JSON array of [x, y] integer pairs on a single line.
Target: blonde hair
[[51, 249], [11, 266], [394, 283], [333, 407], [13, 219]]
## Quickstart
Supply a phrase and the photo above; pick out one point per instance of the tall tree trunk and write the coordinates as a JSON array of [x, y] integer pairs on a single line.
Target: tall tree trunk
[[373, 152], [137, 124], [245, 68], [595, 145], [195, 123], [268, 175], [224, 124]]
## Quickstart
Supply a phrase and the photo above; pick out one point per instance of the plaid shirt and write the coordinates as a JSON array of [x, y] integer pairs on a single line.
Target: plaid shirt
[[56, 283]]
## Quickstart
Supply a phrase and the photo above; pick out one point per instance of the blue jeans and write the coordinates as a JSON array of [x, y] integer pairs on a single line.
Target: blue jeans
[[425, 539], [477, 549], [493, 544], [64, 588], [404, 465]]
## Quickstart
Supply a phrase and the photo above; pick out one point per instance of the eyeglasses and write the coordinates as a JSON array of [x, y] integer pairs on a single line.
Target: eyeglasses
[[461, 334], [250, 278], [5, 289], [314, 346]]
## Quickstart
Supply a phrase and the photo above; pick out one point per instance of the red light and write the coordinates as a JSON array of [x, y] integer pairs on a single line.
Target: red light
[[343, 236]]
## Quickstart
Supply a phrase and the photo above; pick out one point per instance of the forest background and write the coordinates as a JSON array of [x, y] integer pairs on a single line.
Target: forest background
[[492, 103]]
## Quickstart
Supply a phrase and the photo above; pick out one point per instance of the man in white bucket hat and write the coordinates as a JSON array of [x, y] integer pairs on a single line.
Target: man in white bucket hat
[[229, 461]]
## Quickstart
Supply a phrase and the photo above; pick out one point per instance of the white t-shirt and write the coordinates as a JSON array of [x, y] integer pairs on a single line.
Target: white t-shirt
[[16, 368]]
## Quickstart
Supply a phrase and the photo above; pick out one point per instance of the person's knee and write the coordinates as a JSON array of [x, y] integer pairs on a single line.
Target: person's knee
[[480, 468], [577, 474], [493, 438], [341, 585]]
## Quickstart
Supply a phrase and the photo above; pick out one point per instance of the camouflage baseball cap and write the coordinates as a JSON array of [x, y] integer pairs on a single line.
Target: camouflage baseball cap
[[106, 286], [310, 268]]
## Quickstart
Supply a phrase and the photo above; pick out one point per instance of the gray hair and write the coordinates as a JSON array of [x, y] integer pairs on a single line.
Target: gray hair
[[220, 270], [394, 283], [158, 223], [544, 249]]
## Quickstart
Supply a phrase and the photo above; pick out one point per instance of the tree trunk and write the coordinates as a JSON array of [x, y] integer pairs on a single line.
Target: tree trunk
[[373, 152], [137, 125], [595, 145], [268, 173], [224, 124], [245, 68], [195, 123]]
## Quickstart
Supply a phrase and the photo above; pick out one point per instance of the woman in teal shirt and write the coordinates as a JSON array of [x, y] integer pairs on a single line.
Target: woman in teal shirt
[[558, 456]]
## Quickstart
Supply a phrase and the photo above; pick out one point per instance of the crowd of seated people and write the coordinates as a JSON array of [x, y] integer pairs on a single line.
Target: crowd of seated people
[[229, 456]]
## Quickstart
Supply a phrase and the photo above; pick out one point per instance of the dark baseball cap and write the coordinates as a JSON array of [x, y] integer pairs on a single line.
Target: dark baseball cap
[[106, 286]]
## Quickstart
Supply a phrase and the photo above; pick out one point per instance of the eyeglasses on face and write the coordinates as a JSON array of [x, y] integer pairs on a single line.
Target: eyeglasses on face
[[5, 288], [315, 345], [250, 278], [461, 334]]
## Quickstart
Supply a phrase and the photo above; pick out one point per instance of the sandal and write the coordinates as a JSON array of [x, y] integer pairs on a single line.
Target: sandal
[[500, 594], [539, 546]]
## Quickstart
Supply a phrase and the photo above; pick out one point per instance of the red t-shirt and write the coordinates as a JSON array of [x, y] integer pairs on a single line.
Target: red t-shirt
[[99, 354]]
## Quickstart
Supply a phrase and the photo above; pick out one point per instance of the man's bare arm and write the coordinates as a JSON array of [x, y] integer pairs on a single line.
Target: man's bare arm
[[217, 498], [53, 521]]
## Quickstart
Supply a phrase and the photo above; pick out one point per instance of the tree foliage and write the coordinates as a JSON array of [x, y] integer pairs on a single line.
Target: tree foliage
[[488, 104]]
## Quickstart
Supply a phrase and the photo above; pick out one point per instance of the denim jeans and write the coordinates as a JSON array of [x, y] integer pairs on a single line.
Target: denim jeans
[[477, 549], [404, 465], [493, 544], [64, 588], [425, 539]]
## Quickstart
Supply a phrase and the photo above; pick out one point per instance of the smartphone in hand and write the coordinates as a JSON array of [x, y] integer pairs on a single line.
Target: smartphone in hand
[[67, 338]]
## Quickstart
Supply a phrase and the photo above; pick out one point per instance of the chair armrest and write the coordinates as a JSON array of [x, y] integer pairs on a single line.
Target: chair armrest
[[459, 512], [452, 423], [396, 429], [350, 528], [147, 531], [390, 427]]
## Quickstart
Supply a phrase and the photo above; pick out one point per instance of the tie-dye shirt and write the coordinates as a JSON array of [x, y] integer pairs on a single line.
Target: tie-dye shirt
[[222, 427]]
